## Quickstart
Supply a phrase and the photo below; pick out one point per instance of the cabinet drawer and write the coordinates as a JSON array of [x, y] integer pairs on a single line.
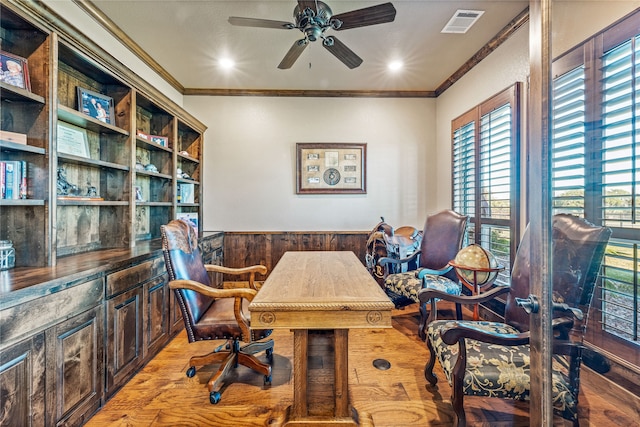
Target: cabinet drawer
[[123, 280]]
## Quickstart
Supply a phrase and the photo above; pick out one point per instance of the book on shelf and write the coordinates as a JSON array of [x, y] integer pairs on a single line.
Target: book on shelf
[[13, 179]]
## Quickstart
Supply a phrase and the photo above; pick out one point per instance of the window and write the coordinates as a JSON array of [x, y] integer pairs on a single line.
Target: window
[[596, 169], [485, 143]]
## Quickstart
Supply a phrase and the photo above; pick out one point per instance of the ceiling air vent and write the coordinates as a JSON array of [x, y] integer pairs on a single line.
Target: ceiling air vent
[[462, 20]]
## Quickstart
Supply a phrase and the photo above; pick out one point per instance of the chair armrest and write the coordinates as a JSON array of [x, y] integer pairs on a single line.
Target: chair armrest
[[252, 270], [386, 260], [423, 271], [426, 294], [261, 269], [454, 332], [245, 293]]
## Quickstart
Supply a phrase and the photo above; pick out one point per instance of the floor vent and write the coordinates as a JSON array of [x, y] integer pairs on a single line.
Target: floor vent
[[462, 20]]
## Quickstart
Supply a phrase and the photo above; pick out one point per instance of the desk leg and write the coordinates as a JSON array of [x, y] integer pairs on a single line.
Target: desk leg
[[341, 373], [297, 415], [300, 355]]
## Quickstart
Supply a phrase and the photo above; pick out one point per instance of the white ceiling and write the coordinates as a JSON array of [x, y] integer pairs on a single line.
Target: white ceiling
[[188, 37]]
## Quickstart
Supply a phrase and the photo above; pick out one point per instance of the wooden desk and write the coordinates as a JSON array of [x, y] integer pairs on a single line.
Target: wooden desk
[[321, 291]]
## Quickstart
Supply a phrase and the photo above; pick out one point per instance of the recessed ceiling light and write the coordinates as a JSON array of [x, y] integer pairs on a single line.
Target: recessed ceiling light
[[395, 65], [226, 63]]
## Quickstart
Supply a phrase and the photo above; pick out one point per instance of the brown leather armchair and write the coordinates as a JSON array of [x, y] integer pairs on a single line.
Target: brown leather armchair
[[213, 314], [491, 359], [442, 238]]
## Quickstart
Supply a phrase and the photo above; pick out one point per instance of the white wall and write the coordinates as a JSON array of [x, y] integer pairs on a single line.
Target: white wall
[[249, 161], [501, 69]]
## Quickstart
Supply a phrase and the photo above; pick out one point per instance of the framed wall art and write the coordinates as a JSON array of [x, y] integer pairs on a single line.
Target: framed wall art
[[324, 168], [96, 105]]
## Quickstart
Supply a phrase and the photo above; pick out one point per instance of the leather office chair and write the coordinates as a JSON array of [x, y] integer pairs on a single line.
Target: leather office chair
[[483, 358], [210, 313], [442, 238]]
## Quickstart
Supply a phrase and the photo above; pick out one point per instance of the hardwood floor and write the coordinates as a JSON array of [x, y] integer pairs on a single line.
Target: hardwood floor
[[162, 395]]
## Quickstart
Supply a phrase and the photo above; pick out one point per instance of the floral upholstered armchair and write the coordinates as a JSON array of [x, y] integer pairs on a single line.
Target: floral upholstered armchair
[[482, 358]]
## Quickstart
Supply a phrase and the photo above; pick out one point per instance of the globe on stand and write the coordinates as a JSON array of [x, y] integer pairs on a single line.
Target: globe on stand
[[482, 265], [476, 268]]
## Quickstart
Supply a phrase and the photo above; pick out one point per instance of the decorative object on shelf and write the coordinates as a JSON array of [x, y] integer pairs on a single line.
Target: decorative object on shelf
[[138, 193], [64, 187], [14, 71], [139, 166], [7, 255], [151, 168], [67, 190], [184, 153], [92, 191], [72, 140], [476, 268], [331, 168], [182, 174], [96, 105]]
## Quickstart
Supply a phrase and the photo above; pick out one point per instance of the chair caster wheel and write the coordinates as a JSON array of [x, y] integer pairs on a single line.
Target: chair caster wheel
[[214, 397], [267, 380], [191, 372]]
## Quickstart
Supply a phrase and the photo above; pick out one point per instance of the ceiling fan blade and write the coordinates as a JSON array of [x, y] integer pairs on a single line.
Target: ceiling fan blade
[[342, 52], [263, 23], [293, 54], [373, 15]]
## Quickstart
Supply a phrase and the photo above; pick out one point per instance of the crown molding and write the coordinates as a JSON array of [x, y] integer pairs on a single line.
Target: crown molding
[[310, 93]]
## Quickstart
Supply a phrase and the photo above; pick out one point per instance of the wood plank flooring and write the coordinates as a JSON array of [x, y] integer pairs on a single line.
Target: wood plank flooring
[[161, 394]]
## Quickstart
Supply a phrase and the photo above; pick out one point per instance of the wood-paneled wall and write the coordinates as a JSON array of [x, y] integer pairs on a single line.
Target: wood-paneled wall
[[266, 248]]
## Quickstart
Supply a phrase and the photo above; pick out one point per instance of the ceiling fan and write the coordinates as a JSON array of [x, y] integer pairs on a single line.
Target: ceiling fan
[[313, 18]]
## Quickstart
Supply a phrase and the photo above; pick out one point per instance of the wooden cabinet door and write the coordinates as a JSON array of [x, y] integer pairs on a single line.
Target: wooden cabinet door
[[156, 315], [22, 383], [175, 315], [75, 368], [124, 351]]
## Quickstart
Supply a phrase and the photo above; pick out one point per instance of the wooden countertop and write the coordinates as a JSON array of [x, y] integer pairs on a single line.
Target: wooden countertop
[[21, 284]]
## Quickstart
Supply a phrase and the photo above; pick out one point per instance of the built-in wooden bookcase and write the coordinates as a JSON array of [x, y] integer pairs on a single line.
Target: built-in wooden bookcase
[[25, 221], [122, 185], [97, 215], [188, 155], [154, 182]]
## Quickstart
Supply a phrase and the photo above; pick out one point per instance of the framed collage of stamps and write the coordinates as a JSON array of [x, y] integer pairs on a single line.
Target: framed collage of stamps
[[325, 168]]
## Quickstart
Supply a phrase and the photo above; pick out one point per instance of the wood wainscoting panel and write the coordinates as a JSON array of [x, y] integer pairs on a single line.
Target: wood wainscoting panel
[[248, 248]]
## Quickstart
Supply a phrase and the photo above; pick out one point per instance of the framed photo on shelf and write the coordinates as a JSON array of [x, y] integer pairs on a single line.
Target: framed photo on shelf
[[163, 141], [72, 140], [96, 105], [14, 70], [331, 168]]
